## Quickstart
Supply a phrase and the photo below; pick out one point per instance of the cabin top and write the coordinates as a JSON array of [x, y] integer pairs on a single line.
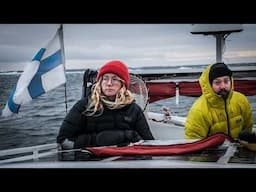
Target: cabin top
[[209, 29]]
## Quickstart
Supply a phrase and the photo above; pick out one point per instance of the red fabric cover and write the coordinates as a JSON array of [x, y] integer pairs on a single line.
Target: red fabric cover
[[160, 150]]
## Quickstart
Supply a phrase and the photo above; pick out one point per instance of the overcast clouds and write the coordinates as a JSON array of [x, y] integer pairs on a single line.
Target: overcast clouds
[[91, 45]]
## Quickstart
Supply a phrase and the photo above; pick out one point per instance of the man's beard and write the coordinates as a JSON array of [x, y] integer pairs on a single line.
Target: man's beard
[[223, 93]]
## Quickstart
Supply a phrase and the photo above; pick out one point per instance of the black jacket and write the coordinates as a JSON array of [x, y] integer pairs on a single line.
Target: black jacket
[[113, 127]]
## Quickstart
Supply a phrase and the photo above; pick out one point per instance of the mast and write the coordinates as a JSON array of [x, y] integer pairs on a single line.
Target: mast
[[60, 30], [220, 32]]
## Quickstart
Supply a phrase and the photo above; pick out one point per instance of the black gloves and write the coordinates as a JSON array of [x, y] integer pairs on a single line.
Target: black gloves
[[247, 136], [117, 137], [132, 136], [109, 138]]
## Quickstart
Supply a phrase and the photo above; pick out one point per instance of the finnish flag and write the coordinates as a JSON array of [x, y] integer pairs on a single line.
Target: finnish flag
[[44, 73]]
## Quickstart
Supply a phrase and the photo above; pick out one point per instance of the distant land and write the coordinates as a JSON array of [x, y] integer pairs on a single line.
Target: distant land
[[167, 69]]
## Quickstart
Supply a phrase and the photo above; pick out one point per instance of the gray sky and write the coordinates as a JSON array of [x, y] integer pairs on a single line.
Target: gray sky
[[92, 45]]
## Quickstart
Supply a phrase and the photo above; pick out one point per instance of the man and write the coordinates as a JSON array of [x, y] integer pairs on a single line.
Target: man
[[219, 108]]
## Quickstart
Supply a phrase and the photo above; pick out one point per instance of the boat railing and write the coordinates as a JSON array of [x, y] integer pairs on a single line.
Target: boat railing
[[27, 153], [158, 90]]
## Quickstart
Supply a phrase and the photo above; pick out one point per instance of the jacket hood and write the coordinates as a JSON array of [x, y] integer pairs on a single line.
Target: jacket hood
[[207, 91]]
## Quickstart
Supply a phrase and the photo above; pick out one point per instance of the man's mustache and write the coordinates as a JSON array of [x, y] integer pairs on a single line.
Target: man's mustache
[[223, 93]]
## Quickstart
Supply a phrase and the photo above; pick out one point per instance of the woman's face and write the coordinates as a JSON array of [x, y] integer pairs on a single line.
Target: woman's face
[[110, 85]]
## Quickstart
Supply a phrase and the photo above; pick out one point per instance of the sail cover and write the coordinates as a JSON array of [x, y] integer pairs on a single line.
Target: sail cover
[[160, 150]]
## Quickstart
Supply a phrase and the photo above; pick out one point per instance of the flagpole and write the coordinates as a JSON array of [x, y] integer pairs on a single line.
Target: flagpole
[[63, 61]]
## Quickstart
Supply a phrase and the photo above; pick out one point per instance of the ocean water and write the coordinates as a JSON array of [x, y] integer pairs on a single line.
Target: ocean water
[[39, 121]]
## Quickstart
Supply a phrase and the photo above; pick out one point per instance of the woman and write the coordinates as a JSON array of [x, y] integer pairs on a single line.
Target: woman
[[109, 116]]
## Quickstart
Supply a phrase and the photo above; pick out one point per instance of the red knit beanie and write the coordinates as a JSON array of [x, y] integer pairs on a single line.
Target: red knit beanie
[[118, 68]]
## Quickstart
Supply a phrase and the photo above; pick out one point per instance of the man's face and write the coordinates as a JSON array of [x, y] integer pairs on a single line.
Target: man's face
[[221, 86]]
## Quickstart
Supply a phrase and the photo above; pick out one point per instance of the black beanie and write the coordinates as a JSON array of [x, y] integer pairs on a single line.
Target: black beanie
[[219, 70]]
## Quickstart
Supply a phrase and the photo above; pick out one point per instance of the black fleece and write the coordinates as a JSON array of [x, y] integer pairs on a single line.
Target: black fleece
[[113, 127]]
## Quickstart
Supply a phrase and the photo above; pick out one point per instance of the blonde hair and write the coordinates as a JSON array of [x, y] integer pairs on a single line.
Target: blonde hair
[[98, 100]]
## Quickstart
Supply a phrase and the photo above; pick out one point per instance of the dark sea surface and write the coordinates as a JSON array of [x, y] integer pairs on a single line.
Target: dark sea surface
[[39, 121]]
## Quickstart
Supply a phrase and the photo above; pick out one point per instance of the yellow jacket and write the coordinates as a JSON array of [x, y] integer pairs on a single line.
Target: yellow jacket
[[208, 115]]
